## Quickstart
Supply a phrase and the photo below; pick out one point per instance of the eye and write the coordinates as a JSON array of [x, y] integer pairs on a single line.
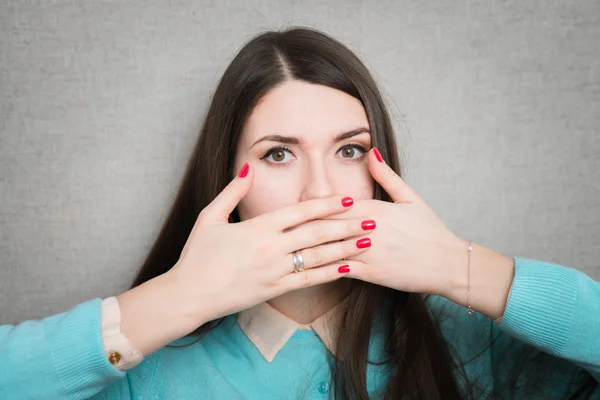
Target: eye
[[352, 151], [282, 155], [277, 155]]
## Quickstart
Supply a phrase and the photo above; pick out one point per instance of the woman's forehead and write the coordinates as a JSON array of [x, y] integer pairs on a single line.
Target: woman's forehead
[[304, 110]]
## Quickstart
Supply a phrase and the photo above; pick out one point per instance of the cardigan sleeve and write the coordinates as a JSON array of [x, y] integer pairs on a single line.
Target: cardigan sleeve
[[557, 310], [59, 357], [546, 345], [554, 309]]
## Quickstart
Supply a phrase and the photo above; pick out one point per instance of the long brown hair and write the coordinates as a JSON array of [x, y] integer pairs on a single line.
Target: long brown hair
[[420, 360]]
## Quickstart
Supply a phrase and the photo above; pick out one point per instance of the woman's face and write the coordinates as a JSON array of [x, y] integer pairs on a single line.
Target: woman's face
[[304, 141]]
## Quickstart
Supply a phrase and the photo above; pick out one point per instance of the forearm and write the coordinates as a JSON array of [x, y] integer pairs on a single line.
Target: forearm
[[155, 314], [491, 277]]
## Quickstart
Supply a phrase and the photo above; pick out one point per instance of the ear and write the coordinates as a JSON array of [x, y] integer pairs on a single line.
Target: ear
[[398, 190]]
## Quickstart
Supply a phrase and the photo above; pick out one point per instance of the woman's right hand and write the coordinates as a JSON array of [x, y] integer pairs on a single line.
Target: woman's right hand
[[225, 268]]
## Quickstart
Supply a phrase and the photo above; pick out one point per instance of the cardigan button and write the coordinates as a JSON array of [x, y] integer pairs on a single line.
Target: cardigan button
[[114, 358], [323, 387]]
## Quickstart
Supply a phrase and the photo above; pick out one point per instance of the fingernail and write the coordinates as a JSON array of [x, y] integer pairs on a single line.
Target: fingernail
[[347, 201], [368, 225], [377, 155], [343, 269], [244, 171], [363, 243]]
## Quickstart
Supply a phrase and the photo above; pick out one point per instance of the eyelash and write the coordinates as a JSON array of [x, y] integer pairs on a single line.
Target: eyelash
[[287, 149]]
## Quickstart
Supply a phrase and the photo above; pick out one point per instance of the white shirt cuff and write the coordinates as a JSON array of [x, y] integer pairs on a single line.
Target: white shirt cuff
[[119, 350]]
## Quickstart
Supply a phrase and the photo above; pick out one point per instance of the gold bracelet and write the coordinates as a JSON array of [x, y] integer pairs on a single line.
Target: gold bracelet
[[469, 309]]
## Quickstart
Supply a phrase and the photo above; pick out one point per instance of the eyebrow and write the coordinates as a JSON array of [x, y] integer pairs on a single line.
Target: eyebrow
[[295, 140]]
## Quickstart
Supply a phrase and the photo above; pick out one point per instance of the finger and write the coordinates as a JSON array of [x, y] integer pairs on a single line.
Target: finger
[[226, 201], [328, 253], [316, 276], [323, 231], [398, 190], [305, 211]]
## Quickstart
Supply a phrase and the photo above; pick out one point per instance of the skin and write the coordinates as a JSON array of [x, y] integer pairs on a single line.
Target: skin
[[412, 248], [316, 167], [283, 207]]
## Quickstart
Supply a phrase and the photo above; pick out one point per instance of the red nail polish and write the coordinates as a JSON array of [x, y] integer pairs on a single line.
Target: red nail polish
[[244, 171], [377, 155], [347, 201], [363, 243], [343, 269], [368, 225]]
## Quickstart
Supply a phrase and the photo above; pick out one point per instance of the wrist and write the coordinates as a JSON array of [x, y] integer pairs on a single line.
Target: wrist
[[488, 282], [192, 311], [154, 314], [454, 277]]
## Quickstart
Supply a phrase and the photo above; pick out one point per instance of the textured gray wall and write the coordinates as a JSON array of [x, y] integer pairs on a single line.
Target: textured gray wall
[[100, 102]]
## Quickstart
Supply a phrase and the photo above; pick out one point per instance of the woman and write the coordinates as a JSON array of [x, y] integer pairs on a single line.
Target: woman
[[296, 263]]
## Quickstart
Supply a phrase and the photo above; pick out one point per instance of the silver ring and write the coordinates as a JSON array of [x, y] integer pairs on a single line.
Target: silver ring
[[298, 262]]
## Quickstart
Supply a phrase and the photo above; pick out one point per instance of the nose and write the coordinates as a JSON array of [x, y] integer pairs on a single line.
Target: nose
[[318, 182]]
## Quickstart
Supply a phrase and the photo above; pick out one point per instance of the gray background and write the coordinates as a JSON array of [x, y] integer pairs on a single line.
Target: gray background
[[496, 106]]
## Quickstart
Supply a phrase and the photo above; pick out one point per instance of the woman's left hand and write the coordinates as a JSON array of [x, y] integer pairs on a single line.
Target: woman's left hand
[[412, 250]]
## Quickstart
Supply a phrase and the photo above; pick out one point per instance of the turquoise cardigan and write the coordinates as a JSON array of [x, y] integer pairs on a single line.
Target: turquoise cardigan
[[553, 308]]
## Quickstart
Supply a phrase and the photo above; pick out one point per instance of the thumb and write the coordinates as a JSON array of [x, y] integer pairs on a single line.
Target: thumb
[[389, 180], [226, 201]]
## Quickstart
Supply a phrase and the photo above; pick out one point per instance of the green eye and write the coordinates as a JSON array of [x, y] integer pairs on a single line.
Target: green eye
[[350, 151], [277, 155]]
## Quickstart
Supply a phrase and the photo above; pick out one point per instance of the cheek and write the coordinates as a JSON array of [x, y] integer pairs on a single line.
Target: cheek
[[367, 185], [280, 190], [267, 195], [355, 182]]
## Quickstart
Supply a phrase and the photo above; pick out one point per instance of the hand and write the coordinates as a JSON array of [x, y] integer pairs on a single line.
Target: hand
[[225, 268], [411, 246]]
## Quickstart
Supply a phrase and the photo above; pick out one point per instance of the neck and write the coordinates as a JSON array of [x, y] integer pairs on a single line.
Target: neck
[[306, 305]]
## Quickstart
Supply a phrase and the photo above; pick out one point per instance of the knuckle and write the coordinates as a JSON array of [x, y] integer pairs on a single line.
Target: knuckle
[[353, 226], [232, 189], [341, 253], [314, 257], [202, 221], [319, 233], [263, 248], [204, 212]]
